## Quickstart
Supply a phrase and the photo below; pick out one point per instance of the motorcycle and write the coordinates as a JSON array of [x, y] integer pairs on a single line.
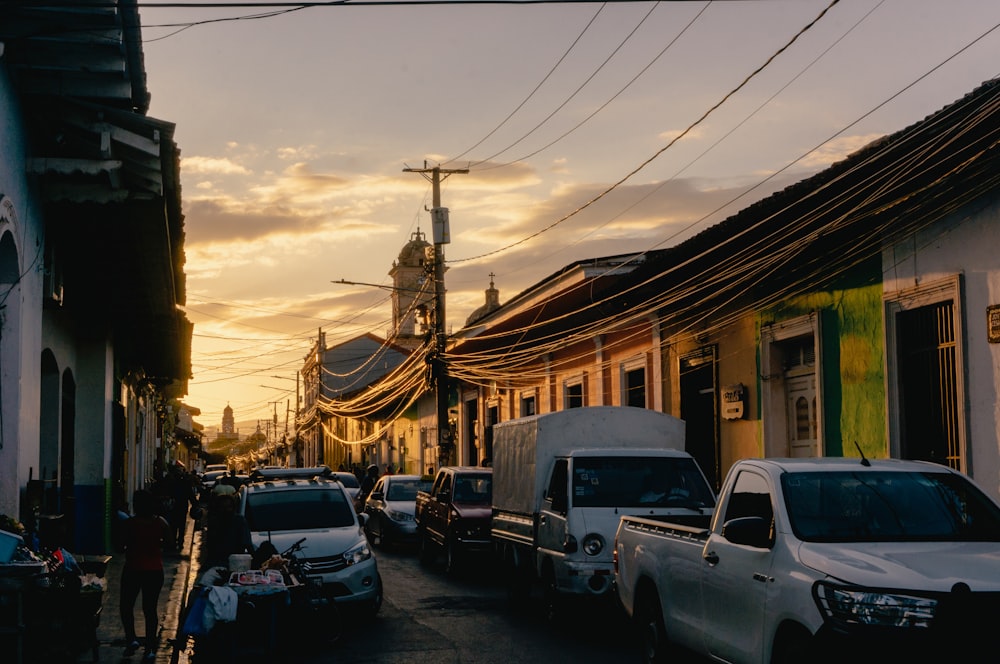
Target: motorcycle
[[308, 604]]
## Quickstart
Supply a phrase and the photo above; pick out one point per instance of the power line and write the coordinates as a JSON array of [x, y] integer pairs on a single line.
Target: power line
[[659, 152]]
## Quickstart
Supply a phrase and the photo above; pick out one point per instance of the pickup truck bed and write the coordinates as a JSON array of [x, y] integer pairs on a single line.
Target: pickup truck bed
[[821, 560]]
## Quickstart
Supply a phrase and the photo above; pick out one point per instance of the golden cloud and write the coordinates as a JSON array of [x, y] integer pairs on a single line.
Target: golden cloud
[[217, 165]]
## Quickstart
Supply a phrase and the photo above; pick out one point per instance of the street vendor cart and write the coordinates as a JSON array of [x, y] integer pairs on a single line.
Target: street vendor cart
[[51, 615]]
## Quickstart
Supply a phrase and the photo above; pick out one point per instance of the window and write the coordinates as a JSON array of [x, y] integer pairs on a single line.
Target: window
[[635, 387], [750, 497], [556, 494], [473, 489], [615, 481], [888, 506], [405, 489], [574, 395], [527, 406], [305, 509]]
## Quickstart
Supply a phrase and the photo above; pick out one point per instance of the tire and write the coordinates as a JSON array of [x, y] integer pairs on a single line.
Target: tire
[[518, 577], [795, 644], [375, 605], [453, 557], [551, 597], [427, 553], [383, 541], [652, 633]]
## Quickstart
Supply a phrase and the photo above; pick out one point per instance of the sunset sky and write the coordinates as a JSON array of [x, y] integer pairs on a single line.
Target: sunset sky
[[296, 124]]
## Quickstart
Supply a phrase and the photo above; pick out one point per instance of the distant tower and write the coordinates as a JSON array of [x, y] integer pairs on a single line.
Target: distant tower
[[228, 430], [228, 423], [491, 305], [413, 289]]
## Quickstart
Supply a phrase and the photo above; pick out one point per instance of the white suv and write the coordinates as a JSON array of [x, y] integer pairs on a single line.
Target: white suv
[[284, 506]]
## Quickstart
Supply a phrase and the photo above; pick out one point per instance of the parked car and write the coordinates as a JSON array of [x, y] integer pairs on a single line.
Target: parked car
[[350, 482], [283, 506], [455, 514], [390, 508]]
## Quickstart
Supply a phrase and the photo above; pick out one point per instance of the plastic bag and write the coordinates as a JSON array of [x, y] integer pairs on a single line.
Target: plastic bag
[[194, 624]]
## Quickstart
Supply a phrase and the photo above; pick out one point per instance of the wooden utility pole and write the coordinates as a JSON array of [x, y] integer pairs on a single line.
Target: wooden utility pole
[[439, 368]]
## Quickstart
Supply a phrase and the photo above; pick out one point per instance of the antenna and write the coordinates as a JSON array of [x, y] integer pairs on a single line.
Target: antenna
[[864, 461]]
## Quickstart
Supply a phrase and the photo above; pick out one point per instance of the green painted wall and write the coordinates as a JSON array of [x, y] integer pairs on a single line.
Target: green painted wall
[[852, 360]]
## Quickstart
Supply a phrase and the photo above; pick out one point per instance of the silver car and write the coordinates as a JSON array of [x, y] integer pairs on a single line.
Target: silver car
[[390, 508]]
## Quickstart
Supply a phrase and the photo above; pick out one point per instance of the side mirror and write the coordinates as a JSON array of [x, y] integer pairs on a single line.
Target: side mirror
[[376, 495], [749, 531]]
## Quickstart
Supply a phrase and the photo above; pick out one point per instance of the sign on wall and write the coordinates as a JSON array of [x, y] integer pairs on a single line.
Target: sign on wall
[[993, 323], [733, 401]]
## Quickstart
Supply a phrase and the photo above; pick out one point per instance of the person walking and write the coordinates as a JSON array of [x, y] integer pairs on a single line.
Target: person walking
[[145, 534], [183, 496], [227, 532]]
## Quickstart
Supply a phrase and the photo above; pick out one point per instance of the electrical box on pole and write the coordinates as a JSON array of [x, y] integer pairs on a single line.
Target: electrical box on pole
[[439, 222]]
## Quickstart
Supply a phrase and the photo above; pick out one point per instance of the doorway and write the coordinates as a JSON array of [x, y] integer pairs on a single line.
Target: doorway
[[699, 410]]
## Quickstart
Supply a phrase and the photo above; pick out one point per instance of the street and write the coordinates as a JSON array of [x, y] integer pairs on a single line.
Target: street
[[432, 616]]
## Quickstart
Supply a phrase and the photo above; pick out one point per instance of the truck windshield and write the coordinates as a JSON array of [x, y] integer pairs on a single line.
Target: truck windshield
[[639, 482], [473, 489], [888, 506], [298, 510]]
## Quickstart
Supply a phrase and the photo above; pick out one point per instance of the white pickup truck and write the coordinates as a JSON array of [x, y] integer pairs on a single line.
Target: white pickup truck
[[821, 560]]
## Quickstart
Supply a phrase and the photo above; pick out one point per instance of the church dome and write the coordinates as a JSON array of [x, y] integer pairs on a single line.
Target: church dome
[[412, 252]]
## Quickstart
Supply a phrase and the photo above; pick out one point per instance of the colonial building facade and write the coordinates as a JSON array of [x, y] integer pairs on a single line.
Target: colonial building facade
[[94, 351]]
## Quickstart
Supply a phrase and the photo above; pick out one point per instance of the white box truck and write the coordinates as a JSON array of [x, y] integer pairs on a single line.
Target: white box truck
[[562, 481]]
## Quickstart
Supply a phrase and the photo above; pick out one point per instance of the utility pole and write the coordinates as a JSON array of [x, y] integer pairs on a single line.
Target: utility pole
[[439, 368], [269, 438]]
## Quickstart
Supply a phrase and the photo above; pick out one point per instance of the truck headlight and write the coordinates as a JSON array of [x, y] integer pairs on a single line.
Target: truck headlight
[[358, 554], [849, 606], [593, 544]]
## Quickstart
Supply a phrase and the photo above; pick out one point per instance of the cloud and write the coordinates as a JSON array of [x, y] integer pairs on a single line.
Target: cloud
[[836, 150], [215, 165], [298, 153], [696, 133]]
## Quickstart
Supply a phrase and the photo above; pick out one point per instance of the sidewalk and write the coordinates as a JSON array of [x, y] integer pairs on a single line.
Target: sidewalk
[[179, 574]]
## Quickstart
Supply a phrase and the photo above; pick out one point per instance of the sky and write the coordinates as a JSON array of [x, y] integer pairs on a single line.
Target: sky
[[588, 129]]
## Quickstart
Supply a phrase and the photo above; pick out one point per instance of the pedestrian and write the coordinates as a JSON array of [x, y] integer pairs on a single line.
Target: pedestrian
[[145, 535], [367, 484], [183, 496], [227, 532], [231, 479]]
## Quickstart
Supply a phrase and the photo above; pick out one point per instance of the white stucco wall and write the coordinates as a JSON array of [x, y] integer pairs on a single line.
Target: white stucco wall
[[20, 334], [968, 243]]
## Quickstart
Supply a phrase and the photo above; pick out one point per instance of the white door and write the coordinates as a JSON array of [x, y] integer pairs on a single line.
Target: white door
[[800, 394]]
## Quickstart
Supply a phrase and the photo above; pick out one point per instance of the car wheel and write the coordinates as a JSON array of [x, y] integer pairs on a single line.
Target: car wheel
[[383, 541], [375, 605], [551, 598], [453, 556], [427, 553], [518, 576], [795, 644], [652, 632]]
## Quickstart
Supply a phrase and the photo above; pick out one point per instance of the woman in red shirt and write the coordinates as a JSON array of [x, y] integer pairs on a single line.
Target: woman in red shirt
[[144, 537]]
